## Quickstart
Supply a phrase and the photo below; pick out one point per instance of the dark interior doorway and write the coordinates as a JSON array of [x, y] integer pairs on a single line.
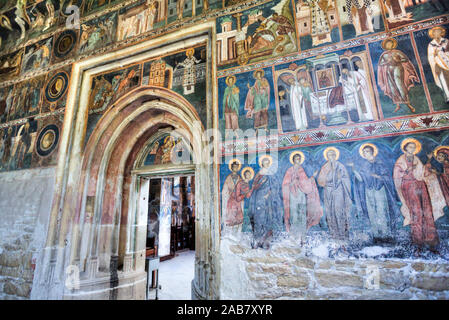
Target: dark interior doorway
[[170, 236]]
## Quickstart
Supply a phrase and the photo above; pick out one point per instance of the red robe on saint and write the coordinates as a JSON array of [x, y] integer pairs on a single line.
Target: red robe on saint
[[296, 179]]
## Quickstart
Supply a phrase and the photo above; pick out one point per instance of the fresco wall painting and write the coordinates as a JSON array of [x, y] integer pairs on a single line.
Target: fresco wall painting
[[387, 191], [182, 72], [289, 66]]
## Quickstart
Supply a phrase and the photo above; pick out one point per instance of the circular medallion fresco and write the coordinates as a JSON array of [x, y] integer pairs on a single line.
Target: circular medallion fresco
[[56, 87], [47, 140], [65, 43]]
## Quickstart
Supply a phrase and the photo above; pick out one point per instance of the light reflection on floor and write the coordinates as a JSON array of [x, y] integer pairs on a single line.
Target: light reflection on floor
[[176, 275]]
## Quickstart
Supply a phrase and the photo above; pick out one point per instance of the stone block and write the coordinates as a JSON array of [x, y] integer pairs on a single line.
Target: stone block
[[277, 269], [333, 279], [419, 266], [325, 264], [392, 280], [253, 268], [431, 283], [393, 264], [304, 263], [265, 259], [344, 263], [296, 281], [237, 249], [286, 251]]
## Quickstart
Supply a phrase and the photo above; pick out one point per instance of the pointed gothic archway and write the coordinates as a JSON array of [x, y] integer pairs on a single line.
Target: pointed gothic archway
[[94, 225]]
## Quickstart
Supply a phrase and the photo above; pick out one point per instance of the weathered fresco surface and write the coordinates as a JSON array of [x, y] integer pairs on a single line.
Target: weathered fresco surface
[[167, 149], [360, 192]]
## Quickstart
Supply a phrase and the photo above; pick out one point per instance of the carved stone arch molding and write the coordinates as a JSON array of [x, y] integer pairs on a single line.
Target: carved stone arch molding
[[94, 243]]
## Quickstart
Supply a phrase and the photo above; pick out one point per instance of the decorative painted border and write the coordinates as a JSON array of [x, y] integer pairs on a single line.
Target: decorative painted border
[[421, 123]]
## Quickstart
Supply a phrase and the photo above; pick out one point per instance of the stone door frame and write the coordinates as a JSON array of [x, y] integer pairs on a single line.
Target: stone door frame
[[65, 233]]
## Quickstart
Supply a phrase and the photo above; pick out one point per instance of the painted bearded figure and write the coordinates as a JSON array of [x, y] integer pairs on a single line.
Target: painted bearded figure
[[231, 104], [396, 74], [438, 55], [230, 207], [360, 15], [302, 208], [258, 101], [441, 155], [335, 181], [23, 145], [234, 207], [265, 205], [420, 194], [319, 21], [375, 194]]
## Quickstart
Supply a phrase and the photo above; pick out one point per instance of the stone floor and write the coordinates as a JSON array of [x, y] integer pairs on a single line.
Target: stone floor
[[176, 275]]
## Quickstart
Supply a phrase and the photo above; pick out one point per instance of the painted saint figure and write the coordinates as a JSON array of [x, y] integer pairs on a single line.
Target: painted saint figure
[[300, 97], [228, 194], [396, 10], [418, 209], [356, 93], [234, 207], [7, 145], [438, 55], [265, 205], [396, 74], [302, 207], [375, 193], [335, 181], [22, 17], [441, 155], [321, 28], [363, 92], [6, 99], [231, 104], [23, 146], [284, 27], [180, 8], [189, 77], [165, 152], [258, 100], [2, 148], [360, 15], [300, 102]]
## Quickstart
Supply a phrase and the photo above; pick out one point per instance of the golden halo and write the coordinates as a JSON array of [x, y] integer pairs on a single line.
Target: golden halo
[[247, 169], [375, 150], [169, 138], [265, 157], [337, 152], [416, 142], [257, 71], [295, 153], [232, 161], [190, 52], [437, 149], [432, 30], [395, 43], [230, 78]]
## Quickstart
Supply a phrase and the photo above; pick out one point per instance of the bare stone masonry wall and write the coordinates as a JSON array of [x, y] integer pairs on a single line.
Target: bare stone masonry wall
[[284, 272], [25, 199]]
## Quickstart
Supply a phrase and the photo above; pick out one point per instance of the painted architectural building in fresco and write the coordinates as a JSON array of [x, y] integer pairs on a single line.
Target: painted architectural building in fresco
[[301, 145]]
